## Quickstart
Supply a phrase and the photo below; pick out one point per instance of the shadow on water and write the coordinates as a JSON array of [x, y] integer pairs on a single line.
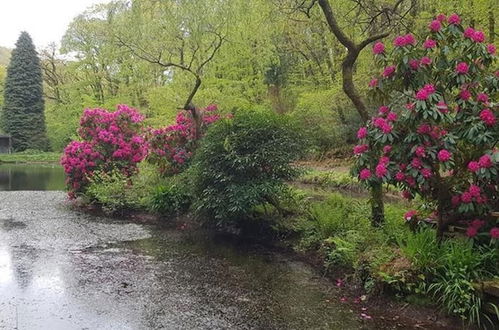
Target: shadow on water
[[31, 177]]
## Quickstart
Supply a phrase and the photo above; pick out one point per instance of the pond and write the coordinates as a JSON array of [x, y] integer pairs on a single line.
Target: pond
[[31, 177], [63, 269]]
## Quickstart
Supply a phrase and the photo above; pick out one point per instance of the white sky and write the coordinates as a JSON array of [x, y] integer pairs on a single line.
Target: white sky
[[45, 20]]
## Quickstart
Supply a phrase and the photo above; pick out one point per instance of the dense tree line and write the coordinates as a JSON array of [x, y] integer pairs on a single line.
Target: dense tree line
[[294, 56]]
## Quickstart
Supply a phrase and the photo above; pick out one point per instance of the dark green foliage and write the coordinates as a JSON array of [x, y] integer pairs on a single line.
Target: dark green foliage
[[23, 111], [170, 199], [243, 163]]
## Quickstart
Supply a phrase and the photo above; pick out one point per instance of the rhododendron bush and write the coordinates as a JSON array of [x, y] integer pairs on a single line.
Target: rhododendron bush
[[436, 133], [172, 147], [110, 141]]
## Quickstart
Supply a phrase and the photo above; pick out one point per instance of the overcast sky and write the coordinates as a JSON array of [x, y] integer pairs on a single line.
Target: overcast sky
[[45, 20]]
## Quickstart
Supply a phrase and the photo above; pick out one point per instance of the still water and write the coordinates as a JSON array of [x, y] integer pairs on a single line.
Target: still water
[[31, 177]]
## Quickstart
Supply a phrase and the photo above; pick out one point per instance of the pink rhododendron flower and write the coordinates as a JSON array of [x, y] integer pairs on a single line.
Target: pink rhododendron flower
[[435, 26], [424, 129], [429, 44], [487, 116], [392, 116], [465, 95], [441, 18], [383, 109], [494, 233], [373, 83], [482, 97], [389, 70], [473, 166], [491, 49], [485, 161], [422, 94], [362, 133], [381, 170], [469, 32], [410, 214], [426, 173], [414, 64], [444, 155], [471, 232], [474, 190], [365, 174], [478, 36], [387, 149], [420, 151], [454, 19], [466, 197], [402, 41], [416, 163], [360, 149], [384, 160], [378, 48], [425, 60], [462, 68], [400, 176]]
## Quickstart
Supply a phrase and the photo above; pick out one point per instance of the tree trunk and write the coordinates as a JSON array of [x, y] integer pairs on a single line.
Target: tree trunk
[[353, 51], [377, 205]]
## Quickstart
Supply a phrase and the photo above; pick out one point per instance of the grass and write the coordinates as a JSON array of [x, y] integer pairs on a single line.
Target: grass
[[30, 156]]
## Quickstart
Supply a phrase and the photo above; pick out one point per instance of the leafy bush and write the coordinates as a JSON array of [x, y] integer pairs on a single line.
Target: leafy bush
[[116, 192], [170, 199], [436, 134], [243, 163]]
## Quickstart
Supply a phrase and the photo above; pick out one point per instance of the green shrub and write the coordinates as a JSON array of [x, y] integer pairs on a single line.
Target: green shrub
[[243, 163], [110, 190], [117, 193], [170, 199]]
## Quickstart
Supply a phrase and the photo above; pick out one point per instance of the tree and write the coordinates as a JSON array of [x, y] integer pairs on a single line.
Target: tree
[[177, 36], [436, 134], [23, 112]]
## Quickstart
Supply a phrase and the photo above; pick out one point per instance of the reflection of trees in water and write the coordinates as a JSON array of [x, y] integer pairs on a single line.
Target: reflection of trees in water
[[29, 177], [4, 180]]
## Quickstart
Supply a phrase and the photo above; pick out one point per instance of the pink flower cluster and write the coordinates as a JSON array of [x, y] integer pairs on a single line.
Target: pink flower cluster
[[171, 147], [462, 68], [405, 40], [378, 48], [484, 162], [473, 194], [472, 34], [425, 92], [110, 141], [487, 116]]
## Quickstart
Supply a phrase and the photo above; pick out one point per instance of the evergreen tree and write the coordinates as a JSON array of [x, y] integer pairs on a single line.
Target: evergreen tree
[[23, 112]]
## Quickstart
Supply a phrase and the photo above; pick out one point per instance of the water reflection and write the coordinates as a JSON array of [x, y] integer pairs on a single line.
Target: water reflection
[[31, 177]]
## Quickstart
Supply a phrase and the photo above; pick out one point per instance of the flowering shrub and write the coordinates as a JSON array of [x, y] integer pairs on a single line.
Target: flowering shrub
[[110, 141], [172, 147], [436, 134]]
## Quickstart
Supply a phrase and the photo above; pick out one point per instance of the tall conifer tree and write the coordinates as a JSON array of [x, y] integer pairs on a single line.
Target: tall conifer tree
[[23, 112]]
